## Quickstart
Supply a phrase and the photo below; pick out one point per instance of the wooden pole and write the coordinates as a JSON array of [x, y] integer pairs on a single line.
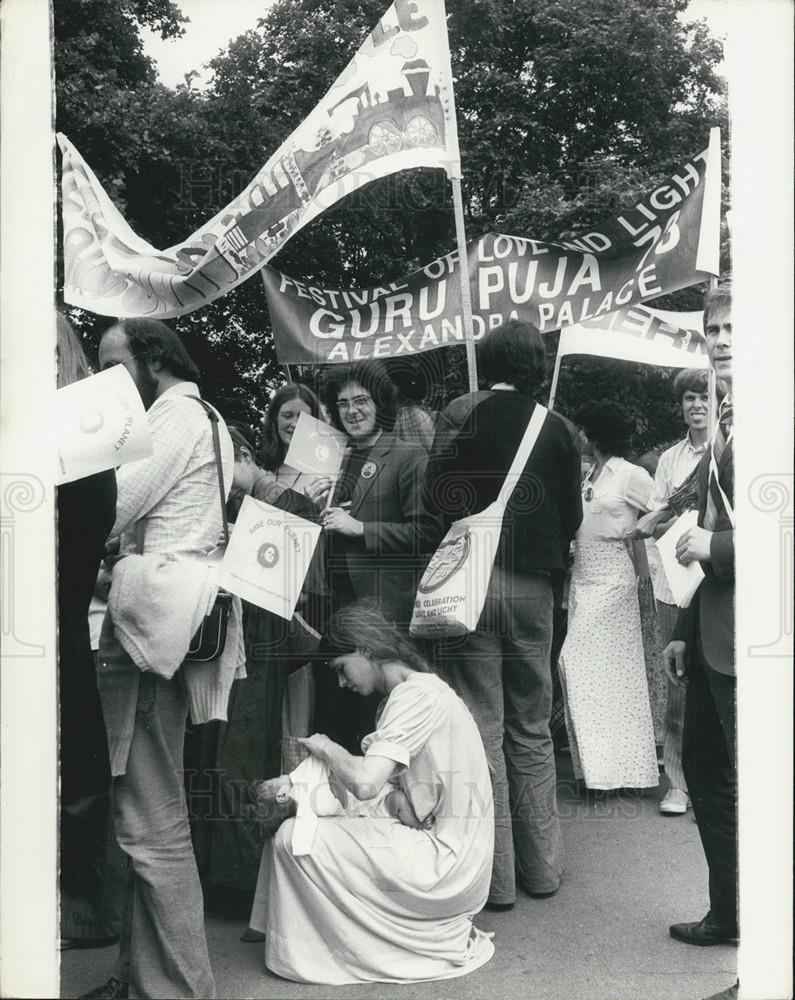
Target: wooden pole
[[466, 298], [712, 386], [555, 375]]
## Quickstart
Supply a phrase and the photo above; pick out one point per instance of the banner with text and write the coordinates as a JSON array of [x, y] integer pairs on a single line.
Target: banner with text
[[268, 556], [650, 336], [646, 251], [390, 109]]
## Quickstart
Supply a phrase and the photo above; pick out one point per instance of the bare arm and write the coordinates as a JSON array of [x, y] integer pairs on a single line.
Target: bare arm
[[364, 777]]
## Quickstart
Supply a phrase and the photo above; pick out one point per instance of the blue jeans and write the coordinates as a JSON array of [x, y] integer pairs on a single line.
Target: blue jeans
[[163, 948], [502, 673]]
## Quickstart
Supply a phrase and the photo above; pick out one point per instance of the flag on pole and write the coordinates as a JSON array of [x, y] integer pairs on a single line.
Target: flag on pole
[[390, 109], [315, 447], [648, 336]]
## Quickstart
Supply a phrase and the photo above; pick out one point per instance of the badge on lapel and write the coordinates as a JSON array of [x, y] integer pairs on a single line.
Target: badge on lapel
[[369, 469]]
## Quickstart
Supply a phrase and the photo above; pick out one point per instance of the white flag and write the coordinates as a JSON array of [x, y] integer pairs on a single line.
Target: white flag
[[100, 423], [316, 447], [637, 333]]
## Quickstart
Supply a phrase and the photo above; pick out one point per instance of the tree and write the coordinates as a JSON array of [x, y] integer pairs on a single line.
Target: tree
[[567, 110]]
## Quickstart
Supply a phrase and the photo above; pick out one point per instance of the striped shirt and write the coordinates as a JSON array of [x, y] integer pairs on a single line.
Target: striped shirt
[[173, 494]]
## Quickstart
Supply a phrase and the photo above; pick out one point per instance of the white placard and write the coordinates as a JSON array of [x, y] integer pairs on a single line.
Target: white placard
[[100, 423], [268, 556], [683, 580], [316, 447]]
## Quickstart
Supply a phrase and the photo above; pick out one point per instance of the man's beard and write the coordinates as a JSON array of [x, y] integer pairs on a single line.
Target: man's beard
[[146, 383]]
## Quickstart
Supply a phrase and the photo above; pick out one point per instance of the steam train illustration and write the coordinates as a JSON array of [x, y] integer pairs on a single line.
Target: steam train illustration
[[406, 118]]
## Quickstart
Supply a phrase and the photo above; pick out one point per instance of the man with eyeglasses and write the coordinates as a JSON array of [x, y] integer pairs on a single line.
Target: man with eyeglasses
[[167, 504]]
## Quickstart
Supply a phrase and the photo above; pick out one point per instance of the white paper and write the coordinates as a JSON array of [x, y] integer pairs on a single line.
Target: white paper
[[316, 447], [100, 423], [268, 556], [683, 580]]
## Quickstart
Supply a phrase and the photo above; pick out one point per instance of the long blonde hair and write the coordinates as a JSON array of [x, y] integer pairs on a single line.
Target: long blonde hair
[[72, 361]]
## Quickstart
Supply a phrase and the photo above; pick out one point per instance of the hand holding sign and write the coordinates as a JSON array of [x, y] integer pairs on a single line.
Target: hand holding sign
[[100, 423], [268, 556]]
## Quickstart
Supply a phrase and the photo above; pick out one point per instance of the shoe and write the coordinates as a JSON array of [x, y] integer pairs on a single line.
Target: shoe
[[498, 907], [731, 993], [67, 944], [113, 989], [674, 803], [541, 895], [250, 936], [703, 932]]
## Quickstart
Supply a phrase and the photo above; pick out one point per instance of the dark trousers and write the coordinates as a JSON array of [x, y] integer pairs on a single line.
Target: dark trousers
[[502, 673], [709, 756]]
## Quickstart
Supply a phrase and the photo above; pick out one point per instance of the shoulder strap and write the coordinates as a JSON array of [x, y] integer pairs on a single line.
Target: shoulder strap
[[526, 446], [213, 418]]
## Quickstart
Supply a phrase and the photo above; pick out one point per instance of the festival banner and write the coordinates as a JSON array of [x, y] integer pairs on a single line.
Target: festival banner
[[316, 447], [100, 423], [268, 556], [389, 110], [650, 336], [646, 251]]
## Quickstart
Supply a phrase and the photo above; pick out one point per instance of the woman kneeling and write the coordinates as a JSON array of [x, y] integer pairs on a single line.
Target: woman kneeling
[[389, 886]]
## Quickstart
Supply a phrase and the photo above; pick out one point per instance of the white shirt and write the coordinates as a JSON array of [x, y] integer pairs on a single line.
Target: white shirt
[[618, 495], [673, 468], [174, 492]]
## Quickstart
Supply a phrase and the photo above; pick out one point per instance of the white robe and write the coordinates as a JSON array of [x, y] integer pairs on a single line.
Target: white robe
[[377, 901]]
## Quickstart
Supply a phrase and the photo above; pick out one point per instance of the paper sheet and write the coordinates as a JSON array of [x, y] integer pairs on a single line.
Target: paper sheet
[[100, 423], [683, 580]]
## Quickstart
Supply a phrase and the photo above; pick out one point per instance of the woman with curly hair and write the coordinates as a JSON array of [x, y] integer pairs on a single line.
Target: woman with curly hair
[[602, 665], [377, 532]]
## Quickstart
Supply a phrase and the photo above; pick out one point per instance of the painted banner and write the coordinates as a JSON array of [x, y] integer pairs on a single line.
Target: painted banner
[[268, 556], [390, 109], [644, 252], [100, 423], [650, 336]]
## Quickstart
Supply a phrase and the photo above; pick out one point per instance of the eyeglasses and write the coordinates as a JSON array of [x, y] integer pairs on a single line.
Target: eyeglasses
[[343, 405]]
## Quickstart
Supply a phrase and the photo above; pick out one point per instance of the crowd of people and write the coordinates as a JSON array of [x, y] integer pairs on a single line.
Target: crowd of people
[[372, 794]]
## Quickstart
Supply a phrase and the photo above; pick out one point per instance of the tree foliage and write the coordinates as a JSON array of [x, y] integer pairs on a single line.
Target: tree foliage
[[567, 109]]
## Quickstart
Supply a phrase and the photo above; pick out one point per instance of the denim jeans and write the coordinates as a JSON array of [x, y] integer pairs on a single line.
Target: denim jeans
[[502, 673], [163, 948]]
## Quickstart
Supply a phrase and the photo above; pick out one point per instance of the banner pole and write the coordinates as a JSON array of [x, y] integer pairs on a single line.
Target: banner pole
[[555, 375], [466, 297], [287, 374], [712, 384]]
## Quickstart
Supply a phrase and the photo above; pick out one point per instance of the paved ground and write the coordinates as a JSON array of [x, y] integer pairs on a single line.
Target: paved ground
[[604, 936]]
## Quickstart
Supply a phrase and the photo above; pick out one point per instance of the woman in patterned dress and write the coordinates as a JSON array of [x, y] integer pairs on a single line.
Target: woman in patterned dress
[[602, 665]]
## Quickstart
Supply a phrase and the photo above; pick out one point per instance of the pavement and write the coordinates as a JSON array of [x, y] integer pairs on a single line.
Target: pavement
[[630, 872]]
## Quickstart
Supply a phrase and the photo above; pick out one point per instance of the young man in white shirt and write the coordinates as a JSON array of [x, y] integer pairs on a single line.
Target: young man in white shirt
[[675, 467]]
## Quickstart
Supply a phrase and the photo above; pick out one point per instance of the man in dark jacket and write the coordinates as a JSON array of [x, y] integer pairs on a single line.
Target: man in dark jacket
[[502, 670], [701, 653]]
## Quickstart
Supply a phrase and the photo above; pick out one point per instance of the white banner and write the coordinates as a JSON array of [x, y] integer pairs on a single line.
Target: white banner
[[390, 109], [100, 423], [638, 333], [268, 556]]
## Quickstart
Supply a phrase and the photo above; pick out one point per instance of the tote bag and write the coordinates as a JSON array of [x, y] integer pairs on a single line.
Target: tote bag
[[453, 588]]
